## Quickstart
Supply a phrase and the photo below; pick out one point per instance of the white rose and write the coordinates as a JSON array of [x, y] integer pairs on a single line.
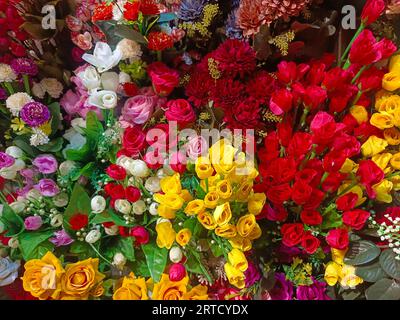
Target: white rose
[[139, 169], [103, 58], [78, 124], [103, 99], [98, 204], [125, 162], [154, 209], [13, 243], [153, 184], [18, 206], [61, 200], [123, 206], [90, 78], [15, 152], [110, 81], [93, 236], [119, 260], [66, 167], [139, 207], [112, 231], [57, 221], [10, 173], [175, 255], [124, 78], [161, 173]]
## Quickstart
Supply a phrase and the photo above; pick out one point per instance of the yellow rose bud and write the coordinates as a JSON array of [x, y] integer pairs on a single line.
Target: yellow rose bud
[[332, 272], [357, 190], [227, 231], [170, 290], [197, 293], [246, 225], [171, 184], [394, 64], [235, 276], [204, 169], [222, 155], [396, 183], [183, 237], [243, 244], [388, 103], [195, 207], [256, 233], [244, 190], [392, 136], [359, 113], [382, 120], [348, 166], [186, 196], [256, 203], [373, 146], [338, 255], [166, 212], [223, 214], [382, 160], [391, 81], [207, 220], [42, 277], [238, 260], [132, 289], [349, 278], [224, 189], [211, 200], [172, 201], [395, 161], [383, 190], [165, 235]]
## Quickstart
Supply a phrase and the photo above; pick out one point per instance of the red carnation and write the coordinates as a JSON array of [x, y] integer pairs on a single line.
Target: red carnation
[[338, 238], [292, 234], [310, 243], [78, 221], [131, 10], [159, 41], [141, 235], [101, 12], [372, 11], [356, 218]]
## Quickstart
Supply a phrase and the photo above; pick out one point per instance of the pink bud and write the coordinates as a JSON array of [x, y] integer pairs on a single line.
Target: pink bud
[[177, 272], [141, 235], [178, 162]]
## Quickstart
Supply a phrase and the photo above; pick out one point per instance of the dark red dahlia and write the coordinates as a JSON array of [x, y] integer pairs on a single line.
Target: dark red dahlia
[[159, 41], [227, 93], [199, 87]]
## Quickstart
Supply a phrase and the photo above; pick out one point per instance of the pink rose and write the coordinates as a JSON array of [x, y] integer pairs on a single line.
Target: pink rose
[[138, 109], [83, 41], [196, 147], [33, 223], [70, 102], [180, 111], [164, 79]]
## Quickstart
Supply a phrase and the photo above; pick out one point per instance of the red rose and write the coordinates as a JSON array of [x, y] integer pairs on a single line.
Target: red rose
[[285, 132], [133, 141], [341, 98], [347, 201], [356, 218], [301, 192], [133, 194], [314, 96], [131, 10], [180, 111], [300, 145], [307, 176], [281, 101], [78, 221], [164, 79], [371, 79], [287, 72], [370, 174], [116, 172], [315, 200], [323, 127], [338, 238], [292, 234], [115, 191], [141, 235], [333, 182], [279, 194], [333, 161], [372, 11], [310, 243], [276, 214], [311, 217]]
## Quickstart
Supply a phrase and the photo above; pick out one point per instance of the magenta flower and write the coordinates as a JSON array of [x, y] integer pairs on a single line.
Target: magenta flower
[[316, 291], [47, 188], [3, 94], [24, 66], [46, 163], [6, 160], [33, 223], [35, 114], [252, 275], [283, 289], [61, 238]]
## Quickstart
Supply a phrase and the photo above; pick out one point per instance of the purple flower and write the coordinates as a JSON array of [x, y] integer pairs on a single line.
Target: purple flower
[[35, 114], [47, 188], [286, 254], [33, 223], [61, 238], [3, 94], [24, 66], [283, 289], [46, 163], [6, 160], [317, 291], [252, 275]]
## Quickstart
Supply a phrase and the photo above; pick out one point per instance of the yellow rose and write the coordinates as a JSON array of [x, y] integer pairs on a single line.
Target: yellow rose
[[132, 289], [338, 255], [197, 293], [388, 103], [235, 276], [165, 235], [332, 272], [211, 200], [183, 237], [243, 244], [169, 290], [256, 203], [392, 136], [382, 160], [348, 278], [396, 183], [223, 214], [357, 190], [204, 169], [373, 146], [227, 231], [244, 190], [238, 260], [359, 113], [382, 120], [172, 201], [224, 189], [195, 207], [166, 212], [255, 233], [383, 190], [222, 155], [348, 166], [246, 225], [391, 81], [42, 277], [394, 64], [80, 279], [171, 184], [207, 220], [395, 161], [186, 196]]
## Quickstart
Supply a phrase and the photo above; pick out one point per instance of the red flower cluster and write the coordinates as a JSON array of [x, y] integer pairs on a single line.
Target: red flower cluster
[[146, 7], [78, 221], [102, 11], [159, 41]]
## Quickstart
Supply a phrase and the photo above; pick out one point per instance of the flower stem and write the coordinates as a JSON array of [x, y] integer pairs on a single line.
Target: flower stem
[[395, 174], [99, 254], [357, 98], [9, 87], [358, 75], [159, 55], [27, 84], [346, 52]]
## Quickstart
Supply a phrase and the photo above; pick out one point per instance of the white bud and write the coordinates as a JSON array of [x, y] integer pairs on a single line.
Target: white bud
[[175, 255], [119, 260], [123, 206], [93, 236], [13, 243], [18, 206], [154, 209], [61, 200], [139, 169], [57, 221], [161, 174], [66, 167], [98, 204], [112, 231], [153, 184], [15, 152], [139, 207], [124, 77]]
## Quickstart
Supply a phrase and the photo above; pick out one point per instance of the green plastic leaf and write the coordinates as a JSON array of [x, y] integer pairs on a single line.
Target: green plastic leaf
[[361, 252], [156, 259], [34, 244], [125, 245], [126, 32], [13, 223], [384, 289], [53, 146], [371, 272], [78, 203], [94, 128], [101, 218], [194, 226], [332, 220], [389, 263], [22, 142], [55, 116]]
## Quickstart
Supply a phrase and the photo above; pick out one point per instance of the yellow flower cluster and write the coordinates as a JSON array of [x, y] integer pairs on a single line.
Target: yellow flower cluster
[[337, 271], [45, 279], [391, 81]]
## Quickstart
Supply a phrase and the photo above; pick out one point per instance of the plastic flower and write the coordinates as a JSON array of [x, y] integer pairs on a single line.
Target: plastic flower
[[191, 10], [169, 290], [165, 234], [35, 114], [159, 41], [103, 58], [132, 288]]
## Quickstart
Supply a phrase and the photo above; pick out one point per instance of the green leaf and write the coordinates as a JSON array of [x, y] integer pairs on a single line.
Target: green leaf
[[156, 259], [384, 289], [141, 269], [88, 169], [194, 226], [101, 218], [350, 295], [216, 249], [127, 249], [389, 263], [82, 249], [34, 244], [371, 272], [83, 154], [332, 220], [22, 142], [13, 223], [78, 203], [118, 220], [55, 116], [53, 146], [126, 32], [94, 128], [194, 264], [361, 252]]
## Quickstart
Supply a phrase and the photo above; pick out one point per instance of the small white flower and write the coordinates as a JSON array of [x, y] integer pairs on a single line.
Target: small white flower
[[130, 49], [103, 99], [119, 260], [175, 255], [52, 86], [57, 221], [18, 206], [93, 236], [123, 206], [98, 204], [15, 152], [13, 243], [139, 169], [103, 58], [139, 207], [38, 138], [38, 90], [153, 184], [154, 209]]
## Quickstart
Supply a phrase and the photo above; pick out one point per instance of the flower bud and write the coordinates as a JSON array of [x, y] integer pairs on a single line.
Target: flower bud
[[18, 206], [61, 200], [33, 223], [98, 204], [93, 236], [112, 231], [119, 260], [153, 184], [13, 243], [15, 152], [177, 272], [175, 255], [123, 206], [139, 207], [154, 209], [66, 167], [57, 221], [139, 169]]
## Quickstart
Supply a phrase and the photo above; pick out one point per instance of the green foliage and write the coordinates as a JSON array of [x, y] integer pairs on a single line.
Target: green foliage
[[78, 203], [13, 223], [156, 259], [34, 245], [361, 252]]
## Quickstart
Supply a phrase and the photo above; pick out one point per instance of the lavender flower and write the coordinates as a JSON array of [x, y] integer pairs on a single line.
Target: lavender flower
[[283, 289], [46, 163], [235, 4], [232, 30], [47, 188], [33, 223], [61, 238], [3, 94], [35, 114], [24, 66], [6, 160], [191, 10]]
